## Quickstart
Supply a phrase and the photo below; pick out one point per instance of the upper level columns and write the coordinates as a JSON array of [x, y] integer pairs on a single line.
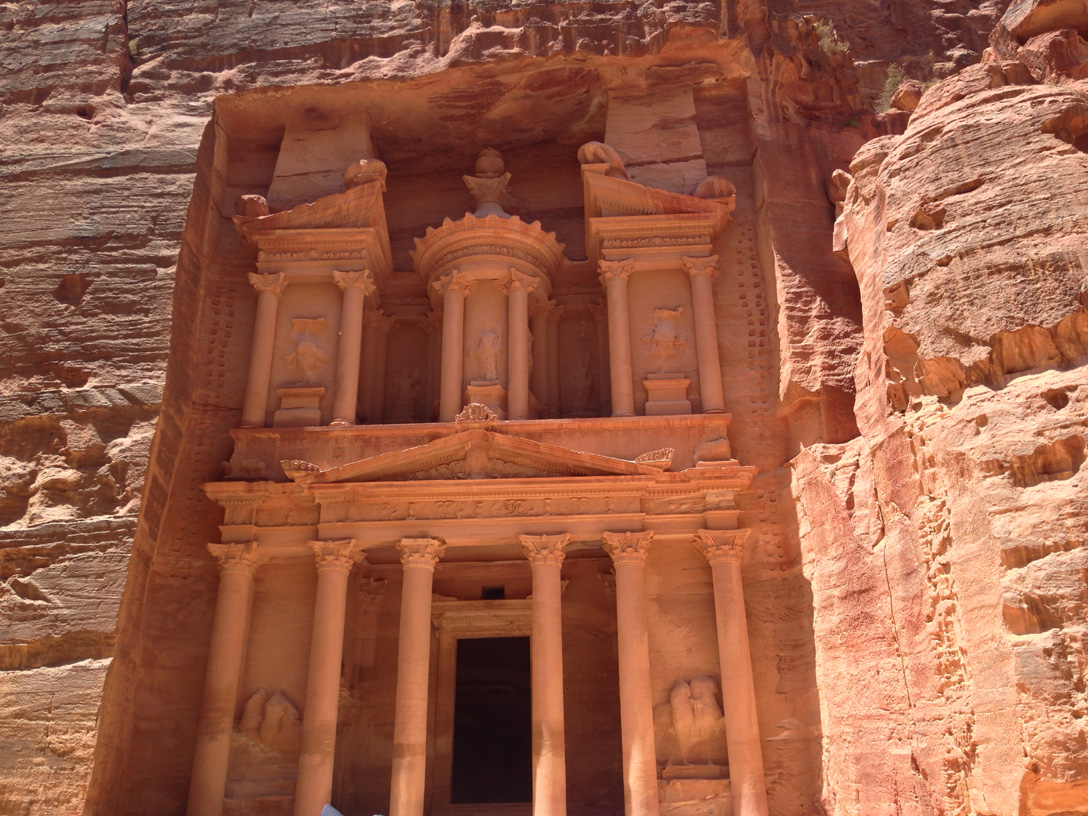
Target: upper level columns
[[269, 289], [376, 343], [628, 551], [355, 286], [545, 554], [334, 560], [555, 313], [518, 288], [538, 323], [453, 286], [614, 275], [419, 556], [237, 564], [724, 550], [701, 272]]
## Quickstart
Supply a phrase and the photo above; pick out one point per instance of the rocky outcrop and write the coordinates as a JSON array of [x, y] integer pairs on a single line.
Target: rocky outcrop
[[948, 538]]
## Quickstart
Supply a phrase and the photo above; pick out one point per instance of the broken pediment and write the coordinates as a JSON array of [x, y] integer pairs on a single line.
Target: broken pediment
[[475, 454]]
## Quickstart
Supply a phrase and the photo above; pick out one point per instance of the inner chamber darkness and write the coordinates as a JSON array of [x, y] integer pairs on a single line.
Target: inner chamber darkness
[[492, 737]]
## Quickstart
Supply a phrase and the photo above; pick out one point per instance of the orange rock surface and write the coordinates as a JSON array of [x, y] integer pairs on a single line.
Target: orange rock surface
[[902, 331]]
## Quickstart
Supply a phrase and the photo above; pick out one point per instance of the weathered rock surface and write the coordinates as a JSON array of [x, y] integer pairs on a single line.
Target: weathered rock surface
[[944, 547]]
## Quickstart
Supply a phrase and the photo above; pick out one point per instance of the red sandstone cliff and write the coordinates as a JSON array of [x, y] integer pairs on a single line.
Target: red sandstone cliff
[[939, 518]]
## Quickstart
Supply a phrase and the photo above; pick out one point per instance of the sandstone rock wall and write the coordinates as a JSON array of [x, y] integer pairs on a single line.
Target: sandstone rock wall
[[942, 547]]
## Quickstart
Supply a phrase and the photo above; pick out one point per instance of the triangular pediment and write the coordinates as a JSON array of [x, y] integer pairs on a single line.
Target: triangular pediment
[[611, 197], [474, 454], [356, 208]]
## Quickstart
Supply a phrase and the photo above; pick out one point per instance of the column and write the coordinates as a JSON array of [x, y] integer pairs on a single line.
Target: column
[[355, 286], [454, 286], [545, 554], [433, 324], [207, 785], [538, 323], [382, 325], [614, 276], [701, 272], [724, 550], [628, 551], [517, 325], [269, 288], [600, 315], [419, 556], [554, 315], [334, 561]]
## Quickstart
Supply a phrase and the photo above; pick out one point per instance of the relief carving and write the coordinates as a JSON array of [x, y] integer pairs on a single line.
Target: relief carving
[[488, 353], [689, 728], [308, 356], [666, 338]]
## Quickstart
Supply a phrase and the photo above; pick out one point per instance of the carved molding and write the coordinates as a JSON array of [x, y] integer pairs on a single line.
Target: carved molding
[[476, 412], [545, 549], [628, 548], [273, 283], [420, 552], [337, 555], [721, 546]]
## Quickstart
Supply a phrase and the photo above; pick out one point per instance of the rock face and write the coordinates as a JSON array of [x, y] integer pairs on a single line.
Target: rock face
[[913, 394]]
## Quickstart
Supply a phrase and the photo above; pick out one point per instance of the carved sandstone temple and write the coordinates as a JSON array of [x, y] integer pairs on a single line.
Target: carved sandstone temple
[[480, 537]]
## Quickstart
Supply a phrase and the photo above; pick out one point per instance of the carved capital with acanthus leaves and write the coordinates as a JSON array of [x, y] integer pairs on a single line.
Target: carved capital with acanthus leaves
[[615, 271], [271, 284], [701, 266], [628, 548], [361, 279], [455, 281], [420, 553], [339, 555], [519, 281], [720, 546], [378, 319], [545, 549], [239, 559]]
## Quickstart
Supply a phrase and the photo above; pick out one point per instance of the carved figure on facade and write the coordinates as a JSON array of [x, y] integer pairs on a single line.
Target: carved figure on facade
[[308, 355], [666, 337], [689, 728], [488, 353]]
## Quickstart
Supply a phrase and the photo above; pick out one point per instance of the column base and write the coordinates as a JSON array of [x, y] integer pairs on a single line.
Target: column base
[[715, 411]]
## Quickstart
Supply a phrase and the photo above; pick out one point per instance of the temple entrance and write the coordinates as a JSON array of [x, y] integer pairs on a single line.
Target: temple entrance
[[492, 738]]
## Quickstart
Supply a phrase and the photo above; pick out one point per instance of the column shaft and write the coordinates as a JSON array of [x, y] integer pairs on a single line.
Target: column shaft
[[723, 549], [269, 288], [382, 326], [356, 286], [604, 379], [419, 556], [315, 761], [615, 274], [453, 345], [711, 393], [545, 554], [539, 376], [208, 782], [517, 365], [628, 551], [554, 398]]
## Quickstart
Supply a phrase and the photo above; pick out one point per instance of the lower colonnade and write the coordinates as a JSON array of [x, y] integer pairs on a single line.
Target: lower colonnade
[[419, 556]]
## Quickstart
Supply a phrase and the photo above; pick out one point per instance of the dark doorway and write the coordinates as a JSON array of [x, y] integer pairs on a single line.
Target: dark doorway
[[492, 722]]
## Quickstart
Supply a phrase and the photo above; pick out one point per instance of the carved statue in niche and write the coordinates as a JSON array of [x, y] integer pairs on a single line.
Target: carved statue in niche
[[488, 352], [689, 728], [666, 338], [308, 356]]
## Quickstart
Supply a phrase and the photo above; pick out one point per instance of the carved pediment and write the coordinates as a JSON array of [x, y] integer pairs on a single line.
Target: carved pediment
[[474, 454]]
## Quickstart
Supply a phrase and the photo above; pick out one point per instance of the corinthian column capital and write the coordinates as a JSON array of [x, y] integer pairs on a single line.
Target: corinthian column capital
[[545, 549], [701, 266], [242, 558], [339, 555], [628, 548], [519, 280], [455, 280], [273, 283], [420, 552], [361, 279], [722, 545], [615, 270]]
